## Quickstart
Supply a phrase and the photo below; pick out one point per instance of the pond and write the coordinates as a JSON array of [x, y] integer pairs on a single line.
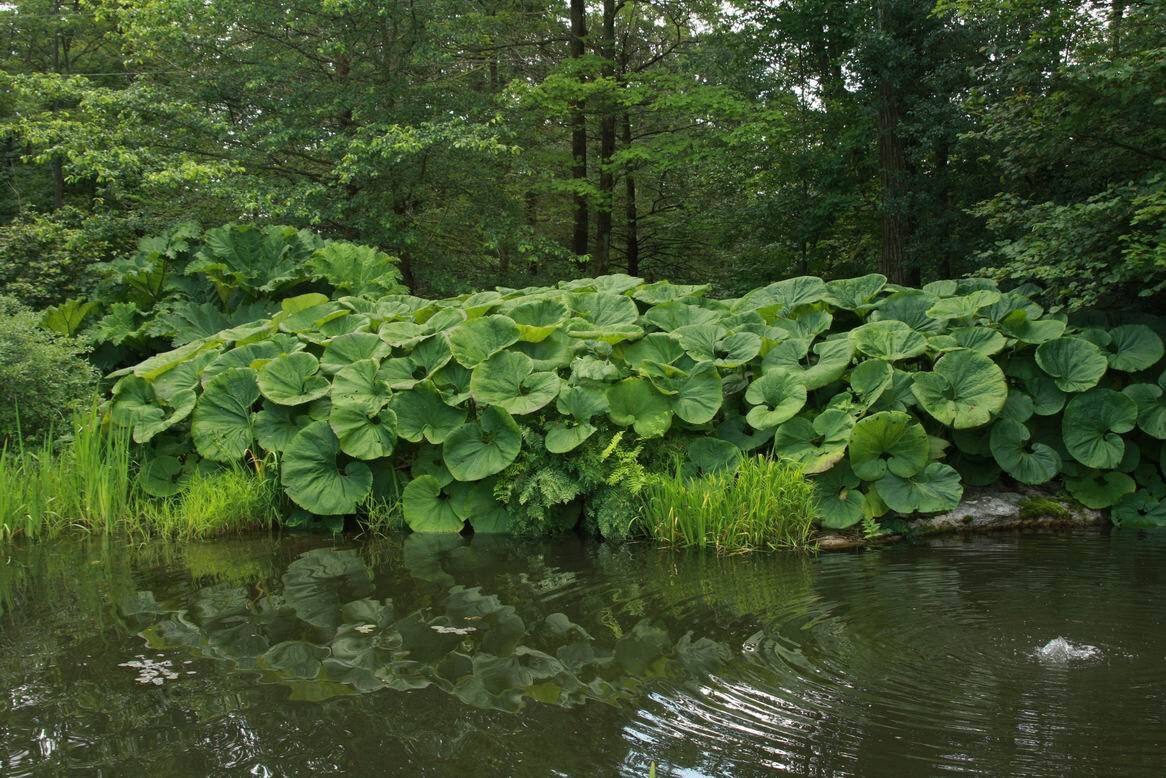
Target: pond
[[1033, 654]]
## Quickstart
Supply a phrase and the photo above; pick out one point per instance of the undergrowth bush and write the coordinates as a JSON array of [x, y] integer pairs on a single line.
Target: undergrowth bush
[[762, 503], [43, 376], [527, 410]]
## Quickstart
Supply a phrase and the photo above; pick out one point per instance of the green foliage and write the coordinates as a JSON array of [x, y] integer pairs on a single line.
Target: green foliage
[[43, 376], [228, 501], [763, 504], [509, 433], [188, 284]]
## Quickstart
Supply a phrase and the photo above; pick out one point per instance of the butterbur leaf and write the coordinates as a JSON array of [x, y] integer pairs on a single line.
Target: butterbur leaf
[[292, 379], [538, 319], [428, 356], [1074, 364], [222, 426], [711, 455], [816, 445], [963, 306], [934, 489], [1151, 408], [1093, 424], [136, 405], [889, 340], [1027, 462], [964, 389], [855, 294], [360, 382], [1133, 347], [428, 508], [869, 379], [1021, 325], [476, 340], [830, 360], [475, 503], [312, 476], [508, 380], [982, 340], [777, 396], [699, 394], [353, 347], [422, 414], [888, 442], [1098, 489], [1139, 510], [665, 291], [581, 402], [483, 448], [277, 425], [1047, 397], [636, 403], [562, 437], [365, 430], [839, 498], [658, 347]]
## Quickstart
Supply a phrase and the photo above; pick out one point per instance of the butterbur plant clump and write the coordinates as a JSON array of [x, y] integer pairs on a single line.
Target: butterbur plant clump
[[521, 410]]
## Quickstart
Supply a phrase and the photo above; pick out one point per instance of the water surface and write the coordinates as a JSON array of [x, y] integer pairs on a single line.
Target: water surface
[[1041, 655]]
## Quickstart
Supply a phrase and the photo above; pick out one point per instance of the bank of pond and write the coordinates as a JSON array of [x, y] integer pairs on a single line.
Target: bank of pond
[[619, 407]]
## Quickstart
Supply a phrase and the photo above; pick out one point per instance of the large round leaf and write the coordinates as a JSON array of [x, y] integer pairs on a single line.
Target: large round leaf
[[888, 442], [475, 502], [839, 498], [964, 389], [312, 477], [659, 347], [292, 379], [1099, 489], [699, 394], [635, 403], [426, 358], [355, 346], [1133, 347], [423, 414], [1139, 510], [671, 316], [1093, 425], [476, 340], [136, 405], [483, 448], [564, 436], [963, 306], [582, 402], [829, 362], [869, 379], [538, 319], [428, 508], [1151, 404], [508, 381], [934, 489], [360, 382], [365, 430], [712, 455], [222, 425], [1075, 364], [815, 445], [891, 340], [777, 396], [1027, 462], [277, 425], [603, 310], [855, 294], [1021, 325]]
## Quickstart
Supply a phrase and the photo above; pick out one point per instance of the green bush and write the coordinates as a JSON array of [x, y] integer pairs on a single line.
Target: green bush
[[526, 410], [188, 284], [43, 376], [762, 503]]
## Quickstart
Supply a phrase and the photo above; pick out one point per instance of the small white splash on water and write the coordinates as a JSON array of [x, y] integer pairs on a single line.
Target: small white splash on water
[[1059, 651]]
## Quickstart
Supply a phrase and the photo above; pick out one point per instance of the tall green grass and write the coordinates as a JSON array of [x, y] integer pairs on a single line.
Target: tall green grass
[[87, 480], [764, 504], [84, 480]]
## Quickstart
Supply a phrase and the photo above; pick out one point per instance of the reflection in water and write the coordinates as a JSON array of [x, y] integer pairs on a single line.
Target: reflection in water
[[450, 656]]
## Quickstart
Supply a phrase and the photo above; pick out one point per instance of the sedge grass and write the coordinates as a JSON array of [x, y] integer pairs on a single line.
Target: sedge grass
[[225, 502], [764, 504]]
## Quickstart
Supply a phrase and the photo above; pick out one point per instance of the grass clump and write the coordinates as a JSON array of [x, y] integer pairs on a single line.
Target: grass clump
[[85, 480], [1043, 508], [220, 503], [764, 504]]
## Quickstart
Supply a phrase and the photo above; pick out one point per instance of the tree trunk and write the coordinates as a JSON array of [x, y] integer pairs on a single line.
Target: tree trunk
[[579, 131], [602, 257], [893, 185], [632, 227], [1117, 9]]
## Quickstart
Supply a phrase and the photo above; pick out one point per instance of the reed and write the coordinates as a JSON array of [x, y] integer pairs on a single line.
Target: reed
[[765, 504]]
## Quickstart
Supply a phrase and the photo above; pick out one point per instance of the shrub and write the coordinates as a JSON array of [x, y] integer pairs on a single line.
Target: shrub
[[43, 377], [498, 408], [188, 284], [763, 504]]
